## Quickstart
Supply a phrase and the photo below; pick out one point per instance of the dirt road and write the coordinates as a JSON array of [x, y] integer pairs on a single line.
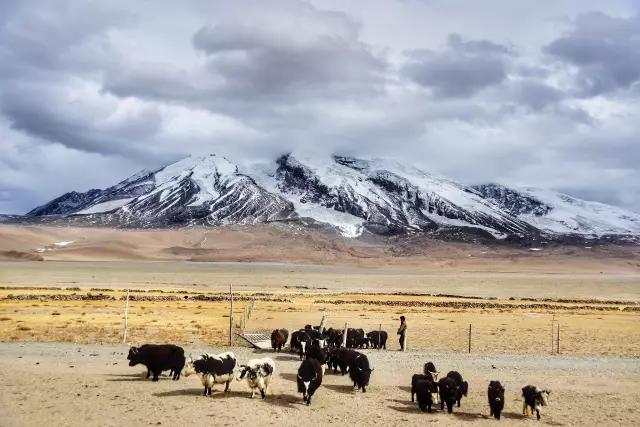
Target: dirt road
[[65, 384]]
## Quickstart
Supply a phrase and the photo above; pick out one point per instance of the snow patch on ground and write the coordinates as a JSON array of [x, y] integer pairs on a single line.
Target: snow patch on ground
[[55, 245], [443, 220], [103, 207]]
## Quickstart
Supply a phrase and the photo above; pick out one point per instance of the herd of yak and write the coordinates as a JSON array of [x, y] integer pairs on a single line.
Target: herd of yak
[[320, 350]]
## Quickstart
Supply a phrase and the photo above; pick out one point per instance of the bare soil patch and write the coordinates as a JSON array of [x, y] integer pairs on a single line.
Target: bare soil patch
[[79, 385]]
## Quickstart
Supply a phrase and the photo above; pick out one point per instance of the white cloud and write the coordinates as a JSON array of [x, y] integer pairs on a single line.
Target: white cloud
[[113, 87]]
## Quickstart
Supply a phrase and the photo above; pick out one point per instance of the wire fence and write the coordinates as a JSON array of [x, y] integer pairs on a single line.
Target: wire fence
[[210, 321]]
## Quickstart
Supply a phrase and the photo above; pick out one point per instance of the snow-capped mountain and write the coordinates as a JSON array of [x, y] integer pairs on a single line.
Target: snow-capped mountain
[[353, 196]]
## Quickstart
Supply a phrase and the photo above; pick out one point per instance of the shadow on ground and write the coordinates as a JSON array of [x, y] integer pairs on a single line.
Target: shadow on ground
[[340, 388], [180, 392], [289, 377]]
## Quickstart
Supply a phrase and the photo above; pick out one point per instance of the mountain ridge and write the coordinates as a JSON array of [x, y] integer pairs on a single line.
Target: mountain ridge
[[350, 195]]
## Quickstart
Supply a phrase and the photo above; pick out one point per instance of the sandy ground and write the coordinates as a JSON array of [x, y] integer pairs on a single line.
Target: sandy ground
[[288, 244], [556, 282], [65, 384]]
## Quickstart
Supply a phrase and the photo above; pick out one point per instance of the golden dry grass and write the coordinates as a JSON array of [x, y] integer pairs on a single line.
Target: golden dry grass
[[512, 330]]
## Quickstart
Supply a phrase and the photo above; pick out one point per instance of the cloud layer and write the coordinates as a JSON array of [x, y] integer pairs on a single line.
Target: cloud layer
[[91, 92]]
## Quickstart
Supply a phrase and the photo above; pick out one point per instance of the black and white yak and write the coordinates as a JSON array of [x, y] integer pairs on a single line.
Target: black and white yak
[[309, 378], [279, 339], [316, 337], [213, 369], [158, 358], [360, 372], [495, 393], [420, 386], [463, 386], [299, 341], [258, 373], [430, 369], [533, 398], [318, 353], [423, 389], [448, 389]]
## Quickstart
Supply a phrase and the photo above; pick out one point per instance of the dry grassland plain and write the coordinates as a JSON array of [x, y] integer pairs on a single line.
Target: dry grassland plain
[[71, 343], [592, 292]]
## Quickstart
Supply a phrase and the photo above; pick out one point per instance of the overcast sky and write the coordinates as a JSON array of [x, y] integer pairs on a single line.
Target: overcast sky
[[540, 93]]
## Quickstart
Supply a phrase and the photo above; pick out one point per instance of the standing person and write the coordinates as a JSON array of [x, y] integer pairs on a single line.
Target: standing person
[[402, 331]]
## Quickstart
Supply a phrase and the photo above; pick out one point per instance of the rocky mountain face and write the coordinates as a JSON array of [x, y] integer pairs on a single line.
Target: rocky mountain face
[[352, 196]]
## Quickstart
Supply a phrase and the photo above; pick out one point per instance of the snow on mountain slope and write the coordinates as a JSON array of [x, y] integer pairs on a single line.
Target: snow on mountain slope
[[265, 175], [438, 199], [559, 213], [205, 189], [351, 195], [571, 215], [103, 207]]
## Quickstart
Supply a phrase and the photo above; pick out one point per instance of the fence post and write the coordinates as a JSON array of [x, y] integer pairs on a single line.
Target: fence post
[[230, 314], [469, 337], [379, 333], [323, 322], [558, 342], [126, 319], [344, 334]]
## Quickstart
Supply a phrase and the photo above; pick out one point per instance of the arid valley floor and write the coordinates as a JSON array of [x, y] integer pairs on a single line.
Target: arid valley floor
[[61, 324]]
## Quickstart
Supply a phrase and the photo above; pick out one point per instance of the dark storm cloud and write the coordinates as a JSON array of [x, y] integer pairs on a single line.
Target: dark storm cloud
[[43, 112], [246, 66], [605, 50], [462, 69], [262, 63]]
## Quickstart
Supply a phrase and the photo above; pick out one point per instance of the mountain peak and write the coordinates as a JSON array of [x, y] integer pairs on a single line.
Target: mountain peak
[[349, 194]]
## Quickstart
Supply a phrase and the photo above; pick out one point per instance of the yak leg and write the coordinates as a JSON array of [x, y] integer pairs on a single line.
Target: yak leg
[[226, 387]]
